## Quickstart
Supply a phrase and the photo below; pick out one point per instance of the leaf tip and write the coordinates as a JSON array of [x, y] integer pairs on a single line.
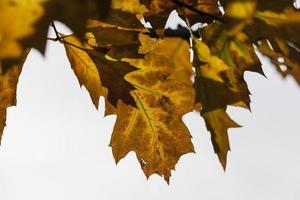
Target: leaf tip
[[223, 160], [167, 179]]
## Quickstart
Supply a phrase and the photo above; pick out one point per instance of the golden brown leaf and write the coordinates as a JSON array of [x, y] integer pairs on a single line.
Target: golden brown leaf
[[13, 15], [130, 6], [276, 24], [108, 37], [154, 130], [84, 68], [8, 89], [178, 51], [217, 122], [214, 97], [238, 54], [109, 73]]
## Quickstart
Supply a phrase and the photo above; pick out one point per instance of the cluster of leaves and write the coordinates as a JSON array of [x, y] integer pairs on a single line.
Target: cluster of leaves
[[147, 78]]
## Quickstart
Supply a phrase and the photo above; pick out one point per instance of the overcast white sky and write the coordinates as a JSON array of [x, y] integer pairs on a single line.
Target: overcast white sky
[[55, 146]]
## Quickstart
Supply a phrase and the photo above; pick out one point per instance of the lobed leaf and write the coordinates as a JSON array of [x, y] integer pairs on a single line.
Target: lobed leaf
[[214, 96], [154, 130]]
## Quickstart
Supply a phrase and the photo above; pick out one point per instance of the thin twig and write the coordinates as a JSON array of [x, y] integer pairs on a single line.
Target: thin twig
[[58, 37], [52, 39], [61, 40]]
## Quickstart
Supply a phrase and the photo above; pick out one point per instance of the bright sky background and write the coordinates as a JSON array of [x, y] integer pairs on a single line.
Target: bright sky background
[[55, 145]]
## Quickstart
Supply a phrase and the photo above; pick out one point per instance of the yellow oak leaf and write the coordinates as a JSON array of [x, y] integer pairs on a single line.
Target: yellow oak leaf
[[176, 50], [154, 130], [214, 96]]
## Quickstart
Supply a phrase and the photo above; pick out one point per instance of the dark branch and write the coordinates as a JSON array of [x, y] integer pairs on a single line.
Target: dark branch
[[58, 38]]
